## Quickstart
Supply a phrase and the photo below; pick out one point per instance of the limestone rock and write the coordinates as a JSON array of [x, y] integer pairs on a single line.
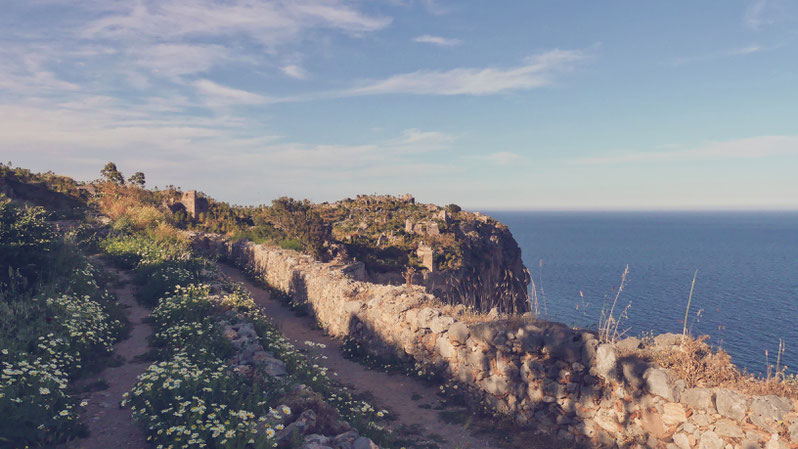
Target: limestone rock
[[658, 383], [445, 348], [731, 404], [727, 428], [698, 398], [767, 410], [606, 361], [458, 332], [673, 414], [681, 441], [440, 324], [710, 440]]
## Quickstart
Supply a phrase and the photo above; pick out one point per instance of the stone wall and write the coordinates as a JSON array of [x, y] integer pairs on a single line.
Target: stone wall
[[562, 381]]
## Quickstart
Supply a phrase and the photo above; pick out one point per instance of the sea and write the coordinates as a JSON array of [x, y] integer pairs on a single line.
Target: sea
[[746, 287]]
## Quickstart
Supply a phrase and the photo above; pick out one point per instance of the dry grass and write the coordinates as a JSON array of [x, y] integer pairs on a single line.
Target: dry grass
[[699, 365]]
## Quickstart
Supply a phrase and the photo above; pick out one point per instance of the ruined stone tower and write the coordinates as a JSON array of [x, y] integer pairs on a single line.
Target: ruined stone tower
[[189, 201], [427, 256]]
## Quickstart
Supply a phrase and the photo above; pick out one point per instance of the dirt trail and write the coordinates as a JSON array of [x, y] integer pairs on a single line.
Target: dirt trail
[[394, 392], [110, 426]]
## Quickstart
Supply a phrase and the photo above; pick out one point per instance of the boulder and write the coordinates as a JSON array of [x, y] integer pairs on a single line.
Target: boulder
[[767, 410], [673, 414], [728, 428], [710, 440], [698, 399], [681, 441], [458, 332], [606, 361], [731, 404], [658, 383], [445, 348], [440, 324]]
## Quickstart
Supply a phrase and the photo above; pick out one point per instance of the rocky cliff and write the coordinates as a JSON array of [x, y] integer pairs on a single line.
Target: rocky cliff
[[461, 257]]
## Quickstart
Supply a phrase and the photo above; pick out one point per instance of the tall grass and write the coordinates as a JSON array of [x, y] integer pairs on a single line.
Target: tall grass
[[609, 323]]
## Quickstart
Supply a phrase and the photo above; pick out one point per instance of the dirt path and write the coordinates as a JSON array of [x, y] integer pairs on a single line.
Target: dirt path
[[394, 392], [110, 426]]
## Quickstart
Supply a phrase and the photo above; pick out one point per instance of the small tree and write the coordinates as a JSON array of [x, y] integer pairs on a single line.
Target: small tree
[[137, 179], [112, 174]]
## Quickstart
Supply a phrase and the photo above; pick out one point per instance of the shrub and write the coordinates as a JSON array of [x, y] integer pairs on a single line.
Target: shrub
[[26, 240], [34, 404], [180, 402]]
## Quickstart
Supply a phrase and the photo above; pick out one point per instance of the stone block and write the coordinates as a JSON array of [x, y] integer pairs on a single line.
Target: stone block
[[458, 332], [710, 440], [731, 404], [767, 410], [698, 399], [658, 383], [606, 361]]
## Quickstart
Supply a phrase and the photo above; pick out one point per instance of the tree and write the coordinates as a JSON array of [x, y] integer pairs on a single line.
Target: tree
[[137, 179], [299, 221], [111, 174]]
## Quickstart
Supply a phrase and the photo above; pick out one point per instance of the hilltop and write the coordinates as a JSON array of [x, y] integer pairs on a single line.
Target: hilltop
[[461, 257]]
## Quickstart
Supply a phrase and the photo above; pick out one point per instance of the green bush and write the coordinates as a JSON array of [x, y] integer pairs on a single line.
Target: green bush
[[158, 279], [26, 240]]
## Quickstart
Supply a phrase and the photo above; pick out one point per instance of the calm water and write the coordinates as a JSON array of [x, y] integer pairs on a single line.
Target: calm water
[[746, 290]]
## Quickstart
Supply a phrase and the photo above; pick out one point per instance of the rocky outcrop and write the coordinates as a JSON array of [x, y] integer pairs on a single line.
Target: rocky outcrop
[[562, 381], [461, 257]]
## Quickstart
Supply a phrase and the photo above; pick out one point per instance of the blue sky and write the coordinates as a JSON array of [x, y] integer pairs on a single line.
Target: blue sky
[[502, 105]]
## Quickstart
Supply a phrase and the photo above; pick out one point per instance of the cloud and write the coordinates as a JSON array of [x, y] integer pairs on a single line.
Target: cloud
[[176, 59], [501, 158], [294, 71], [437, 40], [747, 50], [538, 71], [270, 23], [223, 95], [754, 16], [747, 148]]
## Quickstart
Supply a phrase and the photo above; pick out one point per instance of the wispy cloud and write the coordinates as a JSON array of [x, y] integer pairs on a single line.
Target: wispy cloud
[[747, 148], [747, 50], [270, 23], [501, 158], [737, 51], [295, 71], [437, 40], [755, 15], [537, 71], [217, 94]]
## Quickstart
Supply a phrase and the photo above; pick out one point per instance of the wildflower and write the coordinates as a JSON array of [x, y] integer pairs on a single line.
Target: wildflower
[[63, 413], [84, 403], [43, 390]]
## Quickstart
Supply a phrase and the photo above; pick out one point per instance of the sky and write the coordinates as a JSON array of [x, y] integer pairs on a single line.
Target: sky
[[532, 105]]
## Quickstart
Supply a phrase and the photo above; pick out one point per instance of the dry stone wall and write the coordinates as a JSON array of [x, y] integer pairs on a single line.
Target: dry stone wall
[[561, 381]]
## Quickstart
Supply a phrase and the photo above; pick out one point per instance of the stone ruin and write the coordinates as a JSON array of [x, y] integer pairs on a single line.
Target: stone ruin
[[563, 382], [191, 203]]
